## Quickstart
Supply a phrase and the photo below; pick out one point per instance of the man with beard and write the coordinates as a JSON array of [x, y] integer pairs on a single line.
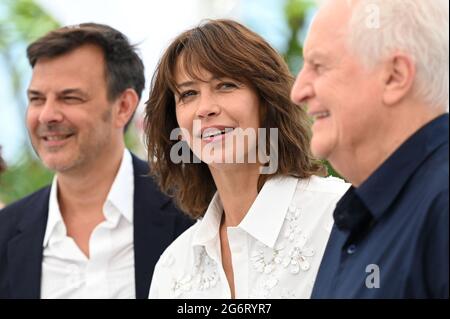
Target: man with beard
[[99, 229]]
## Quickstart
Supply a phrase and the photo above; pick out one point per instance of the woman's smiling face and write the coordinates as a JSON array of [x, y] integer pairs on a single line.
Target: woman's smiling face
[[221, 115]]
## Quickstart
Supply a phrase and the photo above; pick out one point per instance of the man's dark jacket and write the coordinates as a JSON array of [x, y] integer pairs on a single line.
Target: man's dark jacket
[[22, 228]]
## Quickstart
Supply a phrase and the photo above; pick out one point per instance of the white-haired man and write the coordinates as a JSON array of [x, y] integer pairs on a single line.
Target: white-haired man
[[376, 82]]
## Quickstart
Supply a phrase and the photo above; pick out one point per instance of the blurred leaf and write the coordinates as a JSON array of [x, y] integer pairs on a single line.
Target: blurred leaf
[[295, 14], [21, 22], [24, 20], [23, 178]]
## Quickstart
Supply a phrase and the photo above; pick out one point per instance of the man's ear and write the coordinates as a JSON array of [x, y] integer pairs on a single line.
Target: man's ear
[[126, 105], [399, 75]]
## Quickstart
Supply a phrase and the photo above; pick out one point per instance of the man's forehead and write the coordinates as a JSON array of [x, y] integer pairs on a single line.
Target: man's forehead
[[333, 16], [46, 80], [329, 26], [84, 58], [68, 71], [320, 41]]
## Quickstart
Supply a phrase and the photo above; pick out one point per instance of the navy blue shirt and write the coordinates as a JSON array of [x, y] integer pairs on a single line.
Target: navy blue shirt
[[391, 235]]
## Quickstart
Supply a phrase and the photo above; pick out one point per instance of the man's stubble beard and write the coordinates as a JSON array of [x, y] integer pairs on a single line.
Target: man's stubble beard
[[88, 151]]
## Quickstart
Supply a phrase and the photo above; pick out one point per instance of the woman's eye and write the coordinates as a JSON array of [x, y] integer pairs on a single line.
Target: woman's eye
[[227, 85], [187, 94]]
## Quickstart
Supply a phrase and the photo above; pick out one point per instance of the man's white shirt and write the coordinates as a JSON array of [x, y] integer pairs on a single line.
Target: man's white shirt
[[109, 272], [276, 250]]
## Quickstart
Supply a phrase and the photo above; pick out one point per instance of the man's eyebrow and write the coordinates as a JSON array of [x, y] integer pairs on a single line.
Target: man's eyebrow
[[73, 91], [64, 92], [315, 55], [33, 92]]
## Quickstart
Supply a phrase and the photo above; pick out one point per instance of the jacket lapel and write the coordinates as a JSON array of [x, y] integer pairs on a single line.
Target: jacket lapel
[[25, 250], [153, 228]]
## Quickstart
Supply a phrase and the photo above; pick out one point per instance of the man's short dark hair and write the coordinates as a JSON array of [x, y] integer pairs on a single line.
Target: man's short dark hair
[[123, 67]]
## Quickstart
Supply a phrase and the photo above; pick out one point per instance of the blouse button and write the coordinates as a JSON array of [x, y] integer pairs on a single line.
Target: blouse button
[[351, 249]]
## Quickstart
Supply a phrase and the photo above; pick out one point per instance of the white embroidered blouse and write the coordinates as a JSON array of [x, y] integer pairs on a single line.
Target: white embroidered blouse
[[276, 250]]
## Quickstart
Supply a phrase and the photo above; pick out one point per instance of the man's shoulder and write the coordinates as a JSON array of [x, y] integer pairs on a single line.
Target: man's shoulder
[[22, 205], [140, 166], [323, 185], [27, 207], [143, 175], [433, 176], [149, 195]]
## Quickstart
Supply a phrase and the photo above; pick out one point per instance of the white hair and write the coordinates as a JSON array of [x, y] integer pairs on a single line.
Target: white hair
[[418, 28]]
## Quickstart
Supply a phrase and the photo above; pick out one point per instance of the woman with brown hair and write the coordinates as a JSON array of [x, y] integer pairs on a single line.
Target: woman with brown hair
[[229, 146]]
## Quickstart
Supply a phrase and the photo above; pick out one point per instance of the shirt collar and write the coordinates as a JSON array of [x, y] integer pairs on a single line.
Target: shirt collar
[[54, 215], [121, 193], [266, 216], [379, 191], [264, 219], [350, 213], [120, 198], [208, 228]]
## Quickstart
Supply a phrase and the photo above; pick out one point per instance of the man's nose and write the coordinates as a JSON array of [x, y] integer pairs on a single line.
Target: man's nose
[[302, 90], [50, 112]]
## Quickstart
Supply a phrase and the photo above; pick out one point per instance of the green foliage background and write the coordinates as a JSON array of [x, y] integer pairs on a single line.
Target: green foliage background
[[21, 22]]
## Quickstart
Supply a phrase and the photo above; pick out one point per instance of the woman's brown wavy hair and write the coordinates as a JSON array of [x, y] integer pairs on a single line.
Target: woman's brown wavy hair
[[225, 48]]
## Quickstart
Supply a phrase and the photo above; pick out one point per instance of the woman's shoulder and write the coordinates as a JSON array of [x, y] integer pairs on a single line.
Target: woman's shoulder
[[324, 185], [319, 191], [317, 198]]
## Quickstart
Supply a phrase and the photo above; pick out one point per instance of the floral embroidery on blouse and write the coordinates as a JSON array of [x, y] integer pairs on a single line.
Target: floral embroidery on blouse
[[204, 276], [292, 254], [297, 259], [264, 287], [206, 271], [293, 226], [264, 259], [280, 259], [182, 285]]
